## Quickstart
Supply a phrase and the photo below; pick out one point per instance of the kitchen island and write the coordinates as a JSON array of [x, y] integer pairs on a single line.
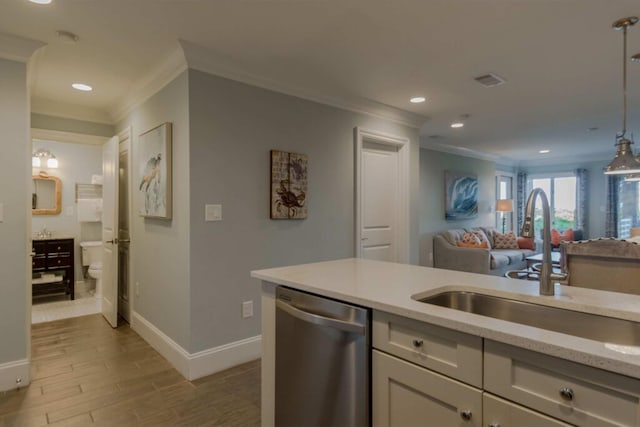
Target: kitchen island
[[391, 292]]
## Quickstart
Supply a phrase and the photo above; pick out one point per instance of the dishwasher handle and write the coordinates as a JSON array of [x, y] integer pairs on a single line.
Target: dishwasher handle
[[343, 325]]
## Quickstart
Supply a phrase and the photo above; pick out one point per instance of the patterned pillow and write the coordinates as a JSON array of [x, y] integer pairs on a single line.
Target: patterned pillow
[[482, 237], [470, 238], [505, 241]]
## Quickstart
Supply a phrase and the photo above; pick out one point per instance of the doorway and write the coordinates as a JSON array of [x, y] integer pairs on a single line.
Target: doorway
[[124, 242], [61, 284], [382, 196]]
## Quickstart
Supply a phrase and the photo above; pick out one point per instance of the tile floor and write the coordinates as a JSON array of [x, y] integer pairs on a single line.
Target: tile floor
[[84, 373], [47, 309]]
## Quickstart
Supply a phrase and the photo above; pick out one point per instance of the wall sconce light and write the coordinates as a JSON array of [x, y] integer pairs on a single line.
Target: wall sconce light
[[42, 157]]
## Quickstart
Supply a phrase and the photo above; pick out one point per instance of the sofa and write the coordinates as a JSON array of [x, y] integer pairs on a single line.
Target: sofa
[[447, 254]]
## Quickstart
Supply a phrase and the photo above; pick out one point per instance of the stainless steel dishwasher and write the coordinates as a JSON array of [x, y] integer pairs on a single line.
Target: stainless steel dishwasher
[[322, 362]]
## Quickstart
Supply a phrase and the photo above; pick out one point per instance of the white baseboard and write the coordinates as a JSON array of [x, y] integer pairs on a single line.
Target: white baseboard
[[202, 363], [218, 359], [10, 372]]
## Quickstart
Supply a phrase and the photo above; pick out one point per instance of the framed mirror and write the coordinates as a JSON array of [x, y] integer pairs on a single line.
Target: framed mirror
[[46, 195]]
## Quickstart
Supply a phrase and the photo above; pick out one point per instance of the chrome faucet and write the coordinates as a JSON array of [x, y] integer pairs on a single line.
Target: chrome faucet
[[547, 276]]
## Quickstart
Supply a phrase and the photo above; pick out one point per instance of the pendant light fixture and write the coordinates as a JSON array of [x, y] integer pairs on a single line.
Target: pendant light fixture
[[624, 162]]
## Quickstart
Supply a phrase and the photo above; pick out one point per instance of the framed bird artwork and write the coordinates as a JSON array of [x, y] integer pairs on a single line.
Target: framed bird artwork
[[154, 172], [288, 185]]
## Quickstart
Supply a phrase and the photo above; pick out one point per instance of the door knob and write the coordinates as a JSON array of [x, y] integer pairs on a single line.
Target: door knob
[[114, 241]]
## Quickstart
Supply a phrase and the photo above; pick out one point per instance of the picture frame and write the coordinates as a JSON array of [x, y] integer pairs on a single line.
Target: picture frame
[[288, 185], [154, 172], [461, 196]]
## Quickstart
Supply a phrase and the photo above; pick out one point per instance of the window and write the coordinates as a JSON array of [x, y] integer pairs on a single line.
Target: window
[[504, 190], [561, 192]]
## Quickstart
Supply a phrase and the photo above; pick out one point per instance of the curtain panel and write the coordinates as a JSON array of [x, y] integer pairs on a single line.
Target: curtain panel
[[521, 198], [613, 202], [582, 201]]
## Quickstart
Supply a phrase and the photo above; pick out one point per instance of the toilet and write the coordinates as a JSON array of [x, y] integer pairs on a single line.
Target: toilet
[[92, 258]]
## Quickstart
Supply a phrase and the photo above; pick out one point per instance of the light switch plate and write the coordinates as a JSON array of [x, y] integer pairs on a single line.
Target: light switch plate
[[213, 213]]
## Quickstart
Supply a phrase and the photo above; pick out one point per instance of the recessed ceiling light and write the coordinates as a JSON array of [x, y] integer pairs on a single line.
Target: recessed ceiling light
[[40, 1], [81, 86], [457, 125], [67, 36], [417, 99], [544, 151]]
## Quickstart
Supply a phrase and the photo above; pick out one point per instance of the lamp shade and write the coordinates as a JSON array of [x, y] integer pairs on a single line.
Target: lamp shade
[[624, 162], [504, 205]]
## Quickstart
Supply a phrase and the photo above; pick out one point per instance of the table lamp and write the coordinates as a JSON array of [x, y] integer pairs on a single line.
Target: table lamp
[[504, 206]]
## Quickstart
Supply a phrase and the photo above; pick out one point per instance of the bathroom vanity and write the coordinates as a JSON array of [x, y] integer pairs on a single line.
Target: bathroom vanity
[[435, 365], [52, 267]]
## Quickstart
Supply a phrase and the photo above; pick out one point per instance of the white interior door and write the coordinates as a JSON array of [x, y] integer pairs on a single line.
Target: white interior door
[[379, 201], [382, 196], [110, 157]]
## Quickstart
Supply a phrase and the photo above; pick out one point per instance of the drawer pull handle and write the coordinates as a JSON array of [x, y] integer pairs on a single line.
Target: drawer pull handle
[[466, 414], [418, 343], [566, 393]]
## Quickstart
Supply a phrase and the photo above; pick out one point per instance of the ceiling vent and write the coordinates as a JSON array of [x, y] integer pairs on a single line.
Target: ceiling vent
[[490, 80]]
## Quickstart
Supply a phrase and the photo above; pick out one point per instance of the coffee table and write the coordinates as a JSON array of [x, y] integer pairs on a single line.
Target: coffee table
[[533, 259]]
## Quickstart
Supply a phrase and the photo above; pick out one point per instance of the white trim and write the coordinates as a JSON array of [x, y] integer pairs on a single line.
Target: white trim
[[64, 110], [202, 363], [203, 59], [10, 372], [15, 48], [466, 152], [149, 85], [403, 146], [219, 358], [62, 136]]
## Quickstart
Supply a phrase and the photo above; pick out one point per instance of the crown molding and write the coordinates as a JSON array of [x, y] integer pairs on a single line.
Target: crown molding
[[61, 136], [15, 48], [205, 60], [69, 111], [578, 159], [149, 85], [466, 152]]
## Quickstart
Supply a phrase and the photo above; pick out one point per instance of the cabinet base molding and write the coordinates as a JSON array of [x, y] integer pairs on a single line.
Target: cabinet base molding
[[14, 374]]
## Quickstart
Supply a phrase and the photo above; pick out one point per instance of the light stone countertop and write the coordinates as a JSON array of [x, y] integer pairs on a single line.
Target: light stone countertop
[[389, 287]]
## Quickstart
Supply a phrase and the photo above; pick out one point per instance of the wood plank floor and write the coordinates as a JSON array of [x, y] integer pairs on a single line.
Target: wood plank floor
[[84, 373]]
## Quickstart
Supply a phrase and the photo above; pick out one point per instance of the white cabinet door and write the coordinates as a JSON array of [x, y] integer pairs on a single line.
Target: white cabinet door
[[407, 395], [500, 413]]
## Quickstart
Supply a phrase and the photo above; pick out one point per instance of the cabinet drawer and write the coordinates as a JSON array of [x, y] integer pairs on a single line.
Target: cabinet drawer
[[581, 395], [407, 395], [59, 262], [38, 248], [501, 413], [451, 353], [59, 246], [38, 263]]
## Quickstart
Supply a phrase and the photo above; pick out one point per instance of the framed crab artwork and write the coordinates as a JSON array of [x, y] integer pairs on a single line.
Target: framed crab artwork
[[288, 185]]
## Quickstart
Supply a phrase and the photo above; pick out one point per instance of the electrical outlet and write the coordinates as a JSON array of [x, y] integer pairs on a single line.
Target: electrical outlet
[[247, 309], [137, 289]]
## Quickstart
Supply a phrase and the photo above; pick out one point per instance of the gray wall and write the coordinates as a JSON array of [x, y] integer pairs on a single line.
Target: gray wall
[[232, 128], [160, 248], [77, 162], [597, 191], [433, 164], [44, 121], [14, 195]]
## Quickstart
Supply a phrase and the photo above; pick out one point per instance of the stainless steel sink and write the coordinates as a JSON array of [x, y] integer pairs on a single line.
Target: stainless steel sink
[[585, 325]]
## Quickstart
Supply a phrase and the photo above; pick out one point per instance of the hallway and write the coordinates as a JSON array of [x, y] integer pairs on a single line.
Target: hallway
[[84, 373]]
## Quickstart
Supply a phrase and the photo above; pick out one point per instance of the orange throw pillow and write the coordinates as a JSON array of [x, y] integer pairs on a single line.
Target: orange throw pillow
[[483, 245], [526, 243], [557, 236]]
